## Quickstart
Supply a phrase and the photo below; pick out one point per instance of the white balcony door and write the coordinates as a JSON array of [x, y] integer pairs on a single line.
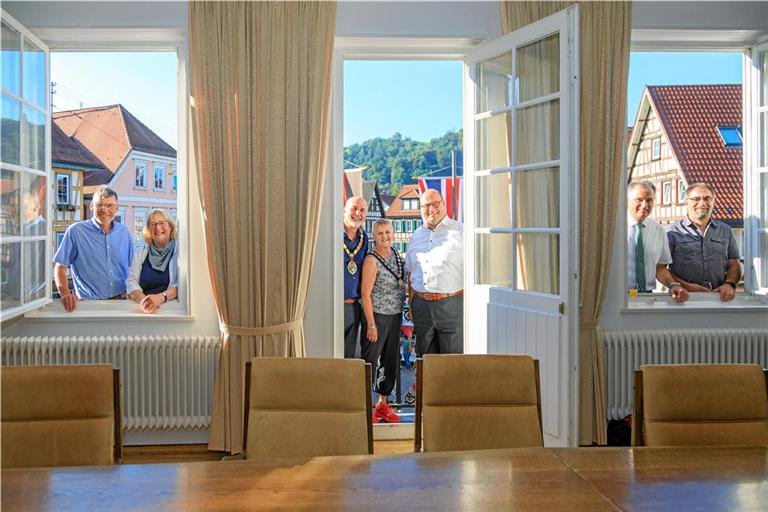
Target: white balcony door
[[521, 208]]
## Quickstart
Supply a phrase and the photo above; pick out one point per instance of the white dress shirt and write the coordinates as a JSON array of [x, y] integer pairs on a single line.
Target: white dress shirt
[[435, 259], [656, 250]]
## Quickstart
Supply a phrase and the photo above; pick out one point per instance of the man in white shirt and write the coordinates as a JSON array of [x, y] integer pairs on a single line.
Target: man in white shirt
[[647, 245], [435, 266]]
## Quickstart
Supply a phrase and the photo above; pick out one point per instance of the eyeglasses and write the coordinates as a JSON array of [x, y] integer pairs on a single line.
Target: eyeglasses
[[105, 206], [160, 223], [706, 199], [434, 205]]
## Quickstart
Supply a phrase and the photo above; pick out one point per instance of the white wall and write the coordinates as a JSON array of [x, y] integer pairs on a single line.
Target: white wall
[[407, 19]]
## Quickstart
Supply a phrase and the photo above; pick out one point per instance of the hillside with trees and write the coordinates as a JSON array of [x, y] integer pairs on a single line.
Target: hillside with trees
[[394, 161]]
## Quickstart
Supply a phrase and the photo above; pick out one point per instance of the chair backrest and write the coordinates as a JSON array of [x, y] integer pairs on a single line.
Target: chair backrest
[[65, 415], [473, 402], [700, 404], [307, 407]]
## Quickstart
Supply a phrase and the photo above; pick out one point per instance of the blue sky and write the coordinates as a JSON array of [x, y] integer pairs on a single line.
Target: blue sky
[[143, 82], [419, 99], [679, 68]]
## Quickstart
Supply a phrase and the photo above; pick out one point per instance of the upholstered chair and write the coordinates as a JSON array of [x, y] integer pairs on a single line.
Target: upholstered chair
[[307, 407], [66, 415], [700, 404], [473, 402]]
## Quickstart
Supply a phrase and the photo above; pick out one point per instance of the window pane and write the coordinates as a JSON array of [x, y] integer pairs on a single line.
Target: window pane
[[495, 83], [33, 153], [538, 68], [764, 73], [34, 270], [493, 141], [10, 223], [11, 60], [11, 130], [33, 201], [493, 253], [493, 204], [762, 141], [34, 74], [538, 198], [10, 274], [763, 198], [539, 262], [538, 133]]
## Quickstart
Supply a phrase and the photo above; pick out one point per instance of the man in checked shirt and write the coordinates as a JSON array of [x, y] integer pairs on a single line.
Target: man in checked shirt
[[704, 253]]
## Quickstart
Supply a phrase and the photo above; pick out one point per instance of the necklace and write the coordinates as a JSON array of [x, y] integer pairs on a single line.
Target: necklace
[[398, 262], [352, 266]]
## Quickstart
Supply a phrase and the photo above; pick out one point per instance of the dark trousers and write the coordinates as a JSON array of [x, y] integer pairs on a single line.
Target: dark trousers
[[384, 355], [353, 321], [439, 325]]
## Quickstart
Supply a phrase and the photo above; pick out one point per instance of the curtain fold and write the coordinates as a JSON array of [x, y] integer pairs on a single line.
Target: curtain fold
[[605, 30], [260, 97]]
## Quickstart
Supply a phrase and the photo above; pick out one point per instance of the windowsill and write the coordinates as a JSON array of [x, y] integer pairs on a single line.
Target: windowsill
[[110, 310], [702, 302]]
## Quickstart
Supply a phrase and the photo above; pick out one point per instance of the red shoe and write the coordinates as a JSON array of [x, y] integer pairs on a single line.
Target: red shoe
[[384, 413]]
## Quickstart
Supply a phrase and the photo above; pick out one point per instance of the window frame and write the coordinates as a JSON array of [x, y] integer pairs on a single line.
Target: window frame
[[136, 165], [666, 193], [68, 190], [750, 299], [656, 148], [30, 172], [157, 166], [135, 40]]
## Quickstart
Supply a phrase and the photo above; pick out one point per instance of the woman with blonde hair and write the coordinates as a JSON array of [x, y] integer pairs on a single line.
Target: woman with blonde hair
[[382, 295], [153, 277]]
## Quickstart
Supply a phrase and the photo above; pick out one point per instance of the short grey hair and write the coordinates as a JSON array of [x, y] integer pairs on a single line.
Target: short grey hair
[[644, 183], [381, 222], [104, 192], [700, 184]]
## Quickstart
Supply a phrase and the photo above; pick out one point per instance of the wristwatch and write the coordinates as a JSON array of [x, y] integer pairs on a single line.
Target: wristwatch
[[672, 285], [733, 285], [165, 297]]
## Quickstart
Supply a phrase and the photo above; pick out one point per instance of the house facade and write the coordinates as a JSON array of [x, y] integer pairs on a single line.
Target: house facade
[[687, 134], [139, 165], [70, 161], [376, 210], [405, 215]]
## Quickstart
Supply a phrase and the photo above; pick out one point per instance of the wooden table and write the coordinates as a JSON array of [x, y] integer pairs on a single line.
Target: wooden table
[[527, 479]]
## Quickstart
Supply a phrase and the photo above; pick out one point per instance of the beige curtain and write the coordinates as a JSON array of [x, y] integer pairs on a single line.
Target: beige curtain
[[260, 84], [537, 133], [605, 30]]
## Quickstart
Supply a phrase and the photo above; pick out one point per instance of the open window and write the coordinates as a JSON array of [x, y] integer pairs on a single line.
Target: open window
[[49, 174], [724, 126], [25, 201], [756, 170]]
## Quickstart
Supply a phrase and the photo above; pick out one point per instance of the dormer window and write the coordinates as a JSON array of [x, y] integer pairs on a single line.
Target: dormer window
[[731, 136]]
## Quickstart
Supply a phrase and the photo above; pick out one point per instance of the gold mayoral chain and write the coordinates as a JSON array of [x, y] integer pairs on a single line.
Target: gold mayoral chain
[[352, 266]]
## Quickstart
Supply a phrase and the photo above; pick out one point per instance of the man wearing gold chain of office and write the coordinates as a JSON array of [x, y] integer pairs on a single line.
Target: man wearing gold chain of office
[[355, 250]]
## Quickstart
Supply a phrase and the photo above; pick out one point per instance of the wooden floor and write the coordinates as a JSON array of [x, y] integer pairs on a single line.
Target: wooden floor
[[199, 452]]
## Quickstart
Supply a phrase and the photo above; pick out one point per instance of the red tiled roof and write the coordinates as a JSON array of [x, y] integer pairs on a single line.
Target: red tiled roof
[[690, 116], [65, 150], [395, 209], [110, 132]]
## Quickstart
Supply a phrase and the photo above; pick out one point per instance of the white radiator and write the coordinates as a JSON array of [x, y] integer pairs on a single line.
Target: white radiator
[[625, 351], [166, 381]]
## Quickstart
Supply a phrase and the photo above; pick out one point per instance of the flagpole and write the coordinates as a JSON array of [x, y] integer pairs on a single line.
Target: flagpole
[[453, 189]]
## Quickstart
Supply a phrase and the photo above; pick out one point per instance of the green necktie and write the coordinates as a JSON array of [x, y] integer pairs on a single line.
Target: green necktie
[[640, 282]]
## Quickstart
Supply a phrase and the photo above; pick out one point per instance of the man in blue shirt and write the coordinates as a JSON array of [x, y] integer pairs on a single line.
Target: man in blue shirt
[[355, 250], [98, 251], [704, 253]]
